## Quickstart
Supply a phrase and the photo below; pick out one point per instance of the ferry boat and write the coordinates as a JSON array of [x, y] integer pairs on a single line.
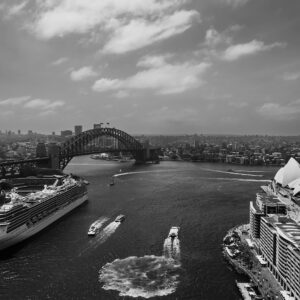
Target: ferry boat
[[173, 232], [120, 218], [94, 228], [31, 205]]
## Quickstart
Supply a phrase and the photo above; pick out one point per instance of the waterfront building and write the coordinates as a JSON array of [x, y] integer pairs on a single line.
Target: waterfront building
[[280, 247], [288, 173], [263, 206]]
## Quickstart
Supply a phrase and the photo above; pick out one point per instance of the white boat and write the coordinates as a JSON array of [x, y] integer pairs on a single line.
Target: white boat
[[92, 230], [95, 227], [24, 216], [120, 218], [174, 232]]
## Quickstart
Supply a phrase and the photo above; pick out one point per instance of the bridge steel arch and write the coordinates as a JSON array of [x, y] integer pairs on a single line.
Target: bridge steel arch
[[76, 145]]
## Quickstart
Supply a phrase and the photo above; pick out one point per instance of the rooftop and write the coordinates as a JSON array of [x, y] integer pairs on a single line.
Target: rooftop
[[286, 227], [266, 199]]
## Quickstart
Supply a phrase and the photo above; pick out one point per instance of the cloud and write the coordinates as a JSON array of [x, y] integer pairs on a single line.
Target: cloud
[[139, 33], [238, 104], [15, 10], [40, 107], [123, 25], [43, 104], [281, 112], [234, 3], [14, 101], [213, 38], [60, 61], [159, 75], [121, 94], [83, 73], [6, 114], [235, 52], [59, 18], [291, 76]]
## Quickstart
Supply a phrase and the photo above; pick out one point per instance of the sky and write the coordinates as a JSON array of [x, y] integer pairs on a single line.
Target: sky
[[151, 66]]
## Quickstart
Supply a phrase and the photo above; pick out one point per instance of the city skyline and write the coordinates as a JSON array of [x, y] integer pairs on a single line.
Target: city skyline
[[152, 67]]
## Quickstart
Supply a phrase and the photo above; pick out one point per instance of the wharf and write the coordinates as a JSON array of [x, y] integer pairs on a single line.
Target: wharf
[[248, 264], [244, 289]]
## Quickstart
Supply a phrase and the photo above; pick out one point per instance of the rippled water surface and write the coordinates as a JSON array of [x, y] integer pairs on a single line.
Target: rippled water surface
[[136, 258]]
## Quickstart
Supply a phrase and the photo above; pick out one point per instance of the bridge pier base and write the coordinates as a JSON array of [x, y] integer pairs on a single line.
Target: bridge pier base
[[53, 153]]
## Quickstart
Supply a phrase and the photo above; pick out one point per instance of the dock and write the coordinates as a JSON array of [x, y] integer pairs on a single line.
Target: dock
[[246, 290]]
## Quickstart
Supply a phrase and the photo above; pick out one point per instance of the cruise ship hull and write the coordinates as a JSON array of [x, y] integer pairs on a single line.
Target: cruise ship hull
[[23, 232]]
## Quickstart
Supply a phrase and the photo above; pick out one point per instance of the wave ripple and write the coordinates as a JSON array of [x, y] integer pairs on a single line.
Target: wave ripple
[[147, 276]]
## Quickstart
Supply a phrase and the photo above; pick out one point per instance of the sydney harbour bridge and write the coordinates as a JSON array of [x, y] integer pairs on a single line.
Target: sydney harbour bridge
[[89, 142]]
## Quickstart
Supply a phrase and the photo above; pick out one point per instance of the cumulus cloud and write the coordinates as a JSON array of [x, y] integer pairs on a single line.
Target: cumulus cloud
[[121, 94], [14, 10], [59, 61], [237, 51], [139, 33], [14, 101], [124, 25], [291, 76], [234, 3], [83, 73], [41, 106], [213, 38], [278, 111], [158, 75]]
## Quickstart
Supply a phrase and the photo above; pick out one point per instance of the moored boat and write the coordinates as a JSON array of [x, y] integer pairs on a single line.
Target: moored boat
[[23, 213]]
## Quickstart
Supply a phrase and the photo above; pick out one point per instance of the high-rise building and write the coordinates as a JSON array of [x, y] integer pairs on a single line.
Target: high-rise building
[[280, 246], [65, 133], [263, 206], [77, 129], [41, 150], [97, 126], [19, 131]]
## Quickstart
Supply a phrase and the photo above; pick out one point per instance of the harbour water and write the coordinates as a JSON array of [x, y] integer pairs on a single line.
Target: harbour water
[[134, 258]]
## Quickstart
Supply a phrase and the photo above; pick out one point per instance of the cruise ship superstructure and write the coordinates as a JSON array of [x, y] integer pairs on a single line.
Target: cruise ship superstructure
[[31, 205]]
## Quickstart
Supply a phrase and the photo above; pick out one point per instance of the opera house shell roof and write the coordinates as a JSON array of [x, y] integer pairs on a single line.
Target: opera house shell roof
[[289, 175]]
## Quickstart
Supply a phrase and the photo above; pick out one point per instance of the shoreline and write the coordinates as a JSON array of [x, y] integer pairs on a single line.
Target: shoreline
[[245, 263]]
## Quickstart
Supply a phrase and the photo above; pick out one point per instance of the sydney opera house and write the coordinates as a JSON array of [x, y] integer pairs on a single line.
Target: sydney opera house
[[287, 180], [275, 227]]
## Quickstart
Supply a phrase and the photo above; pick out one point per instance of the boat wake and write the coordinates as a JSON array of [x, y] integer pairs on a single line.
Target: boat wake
[[101, 237], [242, 179], [98, 223], [142, 172], [171, 248], [232, 173], [147, 276], [252, 171]]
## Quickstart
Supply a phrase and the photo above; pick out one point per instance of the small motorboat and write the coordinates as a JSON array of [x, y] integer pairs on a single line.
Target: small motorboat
[[174, 232], [92, 230], [120, 218]]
